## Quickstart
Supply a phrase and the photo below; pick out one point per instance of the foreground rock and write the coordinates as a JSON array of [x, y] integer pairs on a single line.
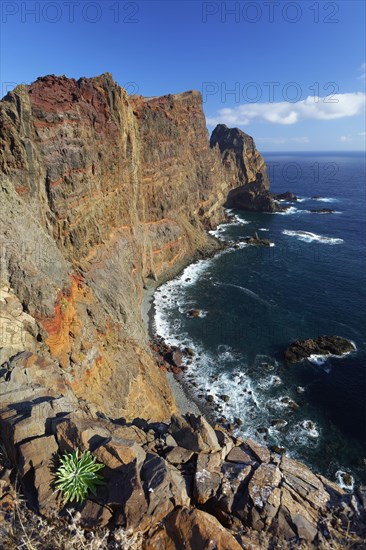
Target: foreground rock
[[191, 530], [157, 475], [323, 345]]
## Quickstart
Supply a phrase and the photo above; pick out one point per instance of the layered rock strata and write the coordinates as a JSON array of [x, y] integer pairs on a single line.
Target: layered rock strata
[[100, 194], [247, 167]]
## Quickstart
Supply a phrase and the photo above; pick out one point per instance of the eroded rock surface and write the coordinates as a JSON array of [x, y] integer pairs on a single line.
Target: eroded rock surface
[[214, 487]]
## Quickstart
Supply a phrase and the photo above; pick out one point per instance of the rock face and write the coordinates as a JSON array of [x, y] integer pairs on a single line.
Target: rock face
[[102, 193], [182, 484], [323, 345], [245, 164]]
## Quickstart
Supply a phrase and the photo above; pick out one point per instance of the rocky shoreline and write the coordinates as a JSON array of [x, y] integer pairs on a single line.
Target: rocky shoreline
[[175, 361]]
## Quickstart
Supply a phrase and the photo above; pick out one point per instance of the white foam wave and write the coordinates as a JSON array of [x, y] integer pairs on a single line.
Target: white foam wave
[[325, 199], [281, 403], [170, 295], [308, 237], [263, 229], [345, 480], [288, 211], [304, 433], [319, 360], [269, 381], [310, 428], [240, 221], [293, 210], [218, 233], [246, 291]]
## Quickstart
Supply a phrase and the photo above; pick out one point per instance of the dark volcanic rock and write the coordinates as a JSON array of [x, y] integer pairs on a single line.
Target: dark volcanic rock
[[194, 313], [323, 345], [255, 239], [287, 196], [322, 211], [236, 149]]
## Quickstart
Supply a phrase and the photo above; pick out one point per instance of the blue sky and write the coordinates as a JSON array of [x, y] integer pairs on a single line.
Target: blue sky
[[292, 74]]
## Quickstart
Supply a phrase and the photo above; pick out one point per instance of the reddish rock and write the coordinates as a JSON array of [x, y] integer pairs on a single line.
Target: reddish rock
[[192, 530], [94, 515]]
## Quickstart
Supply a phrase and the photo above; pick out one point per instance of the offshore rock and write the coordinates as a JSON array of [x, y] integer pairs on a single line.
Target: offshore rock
[[323, 345], [287, 196], [323, 211], [240, 157], [256, 240]]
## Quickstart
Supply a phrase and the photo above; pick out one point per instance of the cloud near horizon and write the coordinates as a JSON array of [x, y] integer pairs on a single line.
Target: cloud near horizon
[[283, 112], [362, 68]]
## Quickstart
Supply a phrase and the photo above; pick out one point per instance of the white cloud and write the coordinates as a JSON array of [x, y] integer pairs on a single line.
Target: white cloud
[[311, 108], [276, 141], [345, 138], [301, 139], [270, 140], [362, 134], [362, 68]]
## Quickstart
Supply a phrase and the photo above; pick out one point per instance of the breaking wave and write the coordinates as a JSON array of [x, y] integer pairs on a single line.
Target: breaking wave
[[308, 237]]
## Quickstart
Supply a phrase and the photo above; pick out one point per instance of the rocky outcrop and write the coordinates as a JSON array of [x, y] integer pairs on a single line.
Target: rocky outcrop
[[287, 196], [256, 240], [181, 483], [323, 345], [322, 211], [246, 167]]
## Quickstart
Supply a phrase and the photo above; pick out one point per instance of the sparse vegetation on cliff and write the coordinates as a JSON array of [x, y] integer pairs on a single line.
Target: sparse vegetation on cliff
[[77, 475]]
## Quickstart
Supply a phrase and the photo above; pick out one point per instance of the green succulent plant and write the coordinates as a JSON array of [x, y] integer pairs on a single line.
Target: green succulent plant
[[77, 475]]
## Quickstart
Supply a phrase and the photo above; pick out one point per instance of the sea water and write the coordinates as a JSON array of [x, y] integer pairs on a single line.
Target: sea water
[[255, 301]]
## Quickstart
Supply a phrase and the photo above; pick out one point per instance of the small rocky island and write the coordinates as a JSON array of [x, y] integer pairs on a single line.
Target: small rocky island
[[256, 240], [321, 346], [322, 211]]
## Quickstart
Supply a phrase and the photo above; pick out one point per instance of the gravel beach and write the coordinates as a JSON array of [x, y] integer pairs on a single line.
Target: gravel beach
[[184, 403]]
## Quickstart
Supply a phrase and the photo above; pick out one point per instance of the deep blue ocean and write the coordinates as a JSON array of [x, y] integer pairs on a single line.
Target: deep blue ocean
[[256, 300]]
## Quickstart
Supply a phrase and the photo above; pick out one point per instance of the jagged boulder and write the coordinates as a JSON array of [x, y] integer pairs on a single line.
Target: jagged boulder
[[193, 432], [191, 529]]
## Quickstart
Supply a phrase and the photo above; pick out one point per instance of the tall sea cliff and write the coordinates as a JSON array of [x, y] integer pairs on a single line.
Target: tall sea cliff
[[102, 192]]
